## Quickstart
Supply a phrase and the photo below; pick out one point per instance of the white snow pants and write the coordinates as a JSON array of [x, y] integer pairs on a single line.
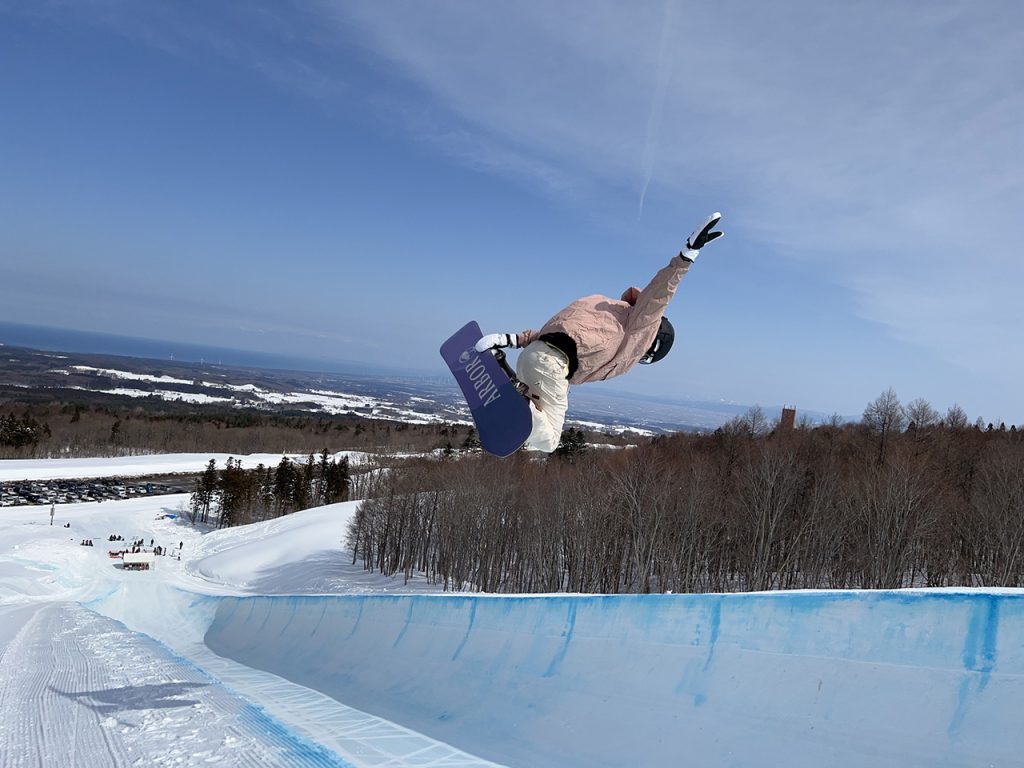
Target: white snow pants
[[544, 369]]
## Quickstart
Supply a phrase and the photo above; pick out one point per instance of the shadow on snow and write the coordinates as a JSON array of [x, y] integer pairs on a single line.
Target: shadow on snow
[[109, 701]]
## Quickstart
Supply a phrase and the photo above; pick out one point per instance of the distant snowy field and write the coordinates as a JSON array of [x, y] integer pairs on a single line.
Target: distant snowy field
[[239, 395], [12, 470], [265, 645], [590, 409]]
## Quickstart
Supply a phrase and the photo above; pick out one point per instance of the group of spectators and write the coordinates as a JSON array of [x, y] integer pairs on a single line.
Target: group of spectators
[[139, 545]]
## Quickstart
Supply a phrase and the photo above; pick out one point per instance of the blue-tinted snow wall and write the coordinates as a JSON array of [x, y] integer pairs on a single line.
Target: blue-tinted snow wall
[[796, 679]]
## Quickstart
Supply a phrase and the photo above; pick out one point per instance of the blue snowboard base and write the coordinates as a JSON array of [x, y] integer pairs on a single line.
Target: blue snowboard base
[[501, 414]]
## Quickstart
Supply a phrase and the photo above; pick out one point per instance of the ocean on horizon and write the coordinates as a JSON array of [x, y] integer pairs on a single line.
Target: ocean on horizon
[[86, 342]]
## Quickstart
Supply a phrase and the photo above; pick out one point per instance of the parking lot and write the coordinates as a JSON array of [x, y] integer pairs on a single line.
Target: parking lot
[[13, 494]]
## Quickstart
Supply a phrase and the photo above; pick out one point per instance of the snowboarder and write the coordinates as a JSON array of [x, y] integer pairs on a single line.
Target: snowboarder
[[596, 338]]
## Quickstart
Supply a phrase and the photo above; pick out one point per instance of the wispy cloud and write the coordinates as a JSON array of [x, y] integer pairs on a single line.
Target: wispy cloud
[[666, 64], [879, 143], [883, 145]]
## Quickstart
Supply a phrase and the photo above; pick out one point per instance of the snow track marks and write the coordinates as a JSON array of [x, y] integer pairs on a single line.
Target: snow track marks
[[78, 689]]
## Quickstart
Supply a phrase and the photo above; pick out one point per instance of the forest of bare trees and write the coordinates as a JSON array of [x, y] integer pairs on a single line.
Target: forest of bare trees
[[73, 429], [905, 497]]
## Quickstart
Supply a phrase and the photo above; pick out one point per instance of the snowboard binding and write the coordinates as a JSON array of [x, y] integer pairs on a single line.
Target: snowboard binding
[[521, 388]]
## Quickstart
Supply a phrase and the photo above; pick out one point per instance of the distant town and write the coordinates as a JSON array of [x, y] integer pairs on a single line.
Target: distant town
[[14, 494]]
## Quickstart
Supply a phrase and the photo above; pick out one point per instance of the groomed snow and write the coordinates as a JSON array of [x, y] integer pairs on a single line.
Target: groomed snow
[[132, 674], [81, 690]]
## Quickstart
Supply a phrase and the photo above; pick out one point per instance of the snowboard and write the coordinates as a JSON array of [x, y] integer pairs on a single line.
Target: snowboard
[[501, 414]]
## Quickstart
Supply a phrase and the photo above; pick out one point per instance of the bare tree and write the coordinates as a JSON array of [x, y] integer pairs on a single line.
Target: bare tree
[[921, 414], [641, 490], [885, 416], [956, 418], [997, 503], [752, 423], [835, 421], [889, 508], [765, 497]]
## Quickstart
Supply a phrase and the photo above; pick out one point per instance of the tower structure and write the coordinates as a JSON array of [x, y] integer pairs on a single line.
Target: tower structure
[[788, 419]]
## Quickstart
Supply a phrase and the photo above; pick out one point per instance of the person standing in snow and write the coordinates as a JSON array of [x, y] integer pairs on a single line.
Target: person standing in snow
[[596, 338]]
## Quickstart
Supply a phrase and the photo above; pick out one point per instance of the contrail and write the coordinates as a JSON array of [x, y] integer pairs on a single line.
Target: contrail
[[666, 65]]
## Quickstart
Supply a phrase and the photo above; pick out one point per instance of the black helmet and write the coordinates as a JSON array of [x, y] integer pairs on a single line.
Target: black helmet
[[662, 343]]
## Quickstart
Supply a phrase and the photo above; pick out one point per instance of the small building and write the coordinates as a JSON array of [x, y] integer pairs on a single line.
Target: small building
[[138, 561]]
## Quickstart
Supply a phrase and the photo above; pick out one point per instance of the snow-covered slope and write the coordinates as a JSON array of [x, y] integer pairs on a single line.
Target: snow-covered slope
[[267, 643], [301, 553], [80, 690]]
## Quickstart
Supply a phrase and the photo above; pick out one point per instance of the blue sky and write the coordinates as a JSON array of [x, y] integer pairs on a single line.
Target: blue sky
[[353, 181]]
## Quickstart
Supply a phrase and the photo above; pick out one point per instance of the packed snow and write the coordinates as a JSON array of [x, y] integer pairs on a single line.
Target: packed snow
[[267, 645], [100, 666]]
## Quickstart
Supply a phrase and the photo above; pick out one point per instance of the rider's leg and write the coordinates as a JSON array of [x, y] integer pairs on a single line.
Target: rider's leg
[[544, 370]]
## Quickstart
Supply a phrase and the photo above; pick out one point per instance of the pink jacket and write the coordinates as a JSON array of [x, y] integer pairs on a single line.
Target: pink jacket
[[611, 336]]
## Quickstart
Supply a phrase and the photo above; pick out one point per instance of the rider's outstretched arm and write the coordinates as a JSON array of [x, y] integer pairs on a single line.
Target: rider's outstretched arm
[[649, 305]]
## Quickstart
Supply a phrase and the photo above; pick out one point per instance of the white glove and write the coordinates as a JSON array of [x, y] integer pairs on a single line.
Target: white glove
[[492, 340], [701, 237]]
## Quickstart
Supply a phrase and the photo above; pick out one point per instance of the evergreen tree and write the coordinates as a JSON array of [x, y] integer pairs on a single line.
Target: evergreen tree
[[233, 493], [302, 488], [19, 433], [266, 490], [471, 441], [284, 480], [338, 481], [572, 446], [323, 470], [202, 497]]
